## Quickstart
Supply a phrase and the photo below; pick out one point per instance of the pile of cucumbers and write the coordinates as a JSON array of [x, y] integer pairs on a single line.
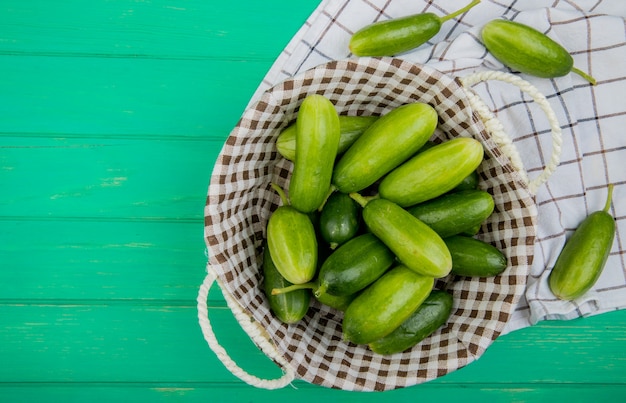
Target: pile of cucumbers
[[375, 212]]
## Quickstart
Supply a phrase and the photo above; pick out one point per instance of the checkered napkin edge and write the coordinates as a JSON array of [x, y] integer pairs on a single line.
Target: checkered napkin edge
[[240, 201]]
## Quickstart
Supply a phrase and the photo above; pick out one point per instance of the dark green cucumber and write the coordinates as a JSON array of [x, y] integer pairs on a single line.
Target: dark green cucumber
[[290, 307], [429, 316], [350, 128], [433, 172], [414, 243], [354, 265], [387, 143], [470, 182], [454, 213], [584, 255], [292, 242], [317, 132], [474, 258], [385, 304], [527, 50], [339, 220], [391, 37]]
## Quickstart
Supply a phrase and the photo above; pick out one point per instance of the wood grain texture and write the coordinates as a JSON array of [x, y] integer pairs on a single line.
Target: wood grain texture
[[112, 114]]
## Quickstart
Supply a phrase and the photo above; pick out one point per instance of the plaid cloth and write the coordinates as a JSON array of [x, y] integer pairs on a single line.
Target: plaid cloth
[[592, 118]]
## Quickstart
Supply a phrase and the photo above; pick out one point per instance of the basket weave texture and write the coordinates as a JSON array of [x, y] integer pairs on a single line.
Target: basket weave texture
[[240, 201]]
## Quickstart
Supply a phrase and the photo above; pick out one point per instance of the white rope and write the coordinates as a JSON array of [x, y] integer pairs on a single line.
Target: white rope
[[495, 128], [255, 331]]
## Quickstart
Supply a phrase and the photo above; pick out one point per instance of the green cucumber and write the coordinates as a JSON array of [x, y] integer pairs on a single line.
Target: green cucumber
[[470, 182], [385, 304], [288, 308], [354, 265], [475, 258], [340, 219], [292, 242], [398, 35], [317, 132], [429, 316], [527, 50], [350, 128], [339, 303], [454, 213], [387, 143], [414, 243], [433, 172], [584, 255]]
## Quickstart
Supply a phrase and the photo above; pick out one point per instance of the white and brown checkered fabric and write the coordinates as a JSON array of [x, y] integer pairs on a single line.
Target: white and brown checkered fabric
[[241, 200]]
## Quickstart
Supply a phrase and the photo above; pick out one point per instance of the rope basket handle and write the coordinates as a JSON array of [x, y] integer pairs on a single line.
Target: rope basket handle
[[495, 128], [255, 331]]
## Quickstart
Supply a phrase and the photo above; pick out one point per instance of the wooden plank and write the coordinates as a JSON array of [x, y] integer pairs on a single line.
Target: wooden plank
[[101, 260], [158, 28], [137, 343], [112, 97], [96, 178], [223, 393]]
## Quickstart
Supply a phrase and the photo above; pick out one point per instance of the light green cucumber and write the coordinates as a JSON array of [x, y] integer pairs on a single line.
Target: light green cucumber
[[414, 243], [388, 142], [429, 316], [528, 50], [399, 35], [292, 242], [350, 128], [317, 132], [385, 304], [433, 172], [584, 255]]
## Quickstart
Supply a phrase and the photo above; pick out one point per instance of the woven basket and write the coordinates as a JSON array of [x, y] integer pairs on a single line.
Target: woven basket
[[240, 201]]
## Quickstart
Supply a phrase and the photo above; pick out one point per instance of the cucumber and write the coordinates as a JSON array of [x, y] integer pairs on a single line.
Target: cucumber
[[340, 219], [433, 172], [430, 316], [391, 37], [385, 304], [475, 258], [584, 255], [288, 308], [454, 213], [350, 128], [354, 265], [333, 301], [292, 242], [470, 182], [387, 143], [527, 50], [317, 132], [414, 243]]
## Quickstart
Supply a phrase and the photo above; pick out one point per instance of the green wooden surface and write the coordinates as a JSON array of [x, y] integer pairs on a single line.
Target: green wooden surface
[[111, 116]]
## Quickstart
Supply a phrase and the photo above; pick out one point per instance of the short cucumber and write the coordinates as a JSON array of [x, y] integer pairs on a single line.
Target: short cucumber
[[584, 255], [317, 132], [354, 265], [414, 243], [527, 50], [454, 213], [292, 242], [290, 307], [475, 258], [433, 172], [350, 128], [387, 143], [391, 37], [340, 219], [385, 304], [430, 316]]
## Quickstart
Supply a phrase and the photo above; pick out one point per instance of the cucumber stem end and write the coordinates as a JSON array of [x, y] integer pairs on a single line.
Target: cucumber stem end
[[281, 193], [584, 75], [294, 287], [609, 197], [458, 12]]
